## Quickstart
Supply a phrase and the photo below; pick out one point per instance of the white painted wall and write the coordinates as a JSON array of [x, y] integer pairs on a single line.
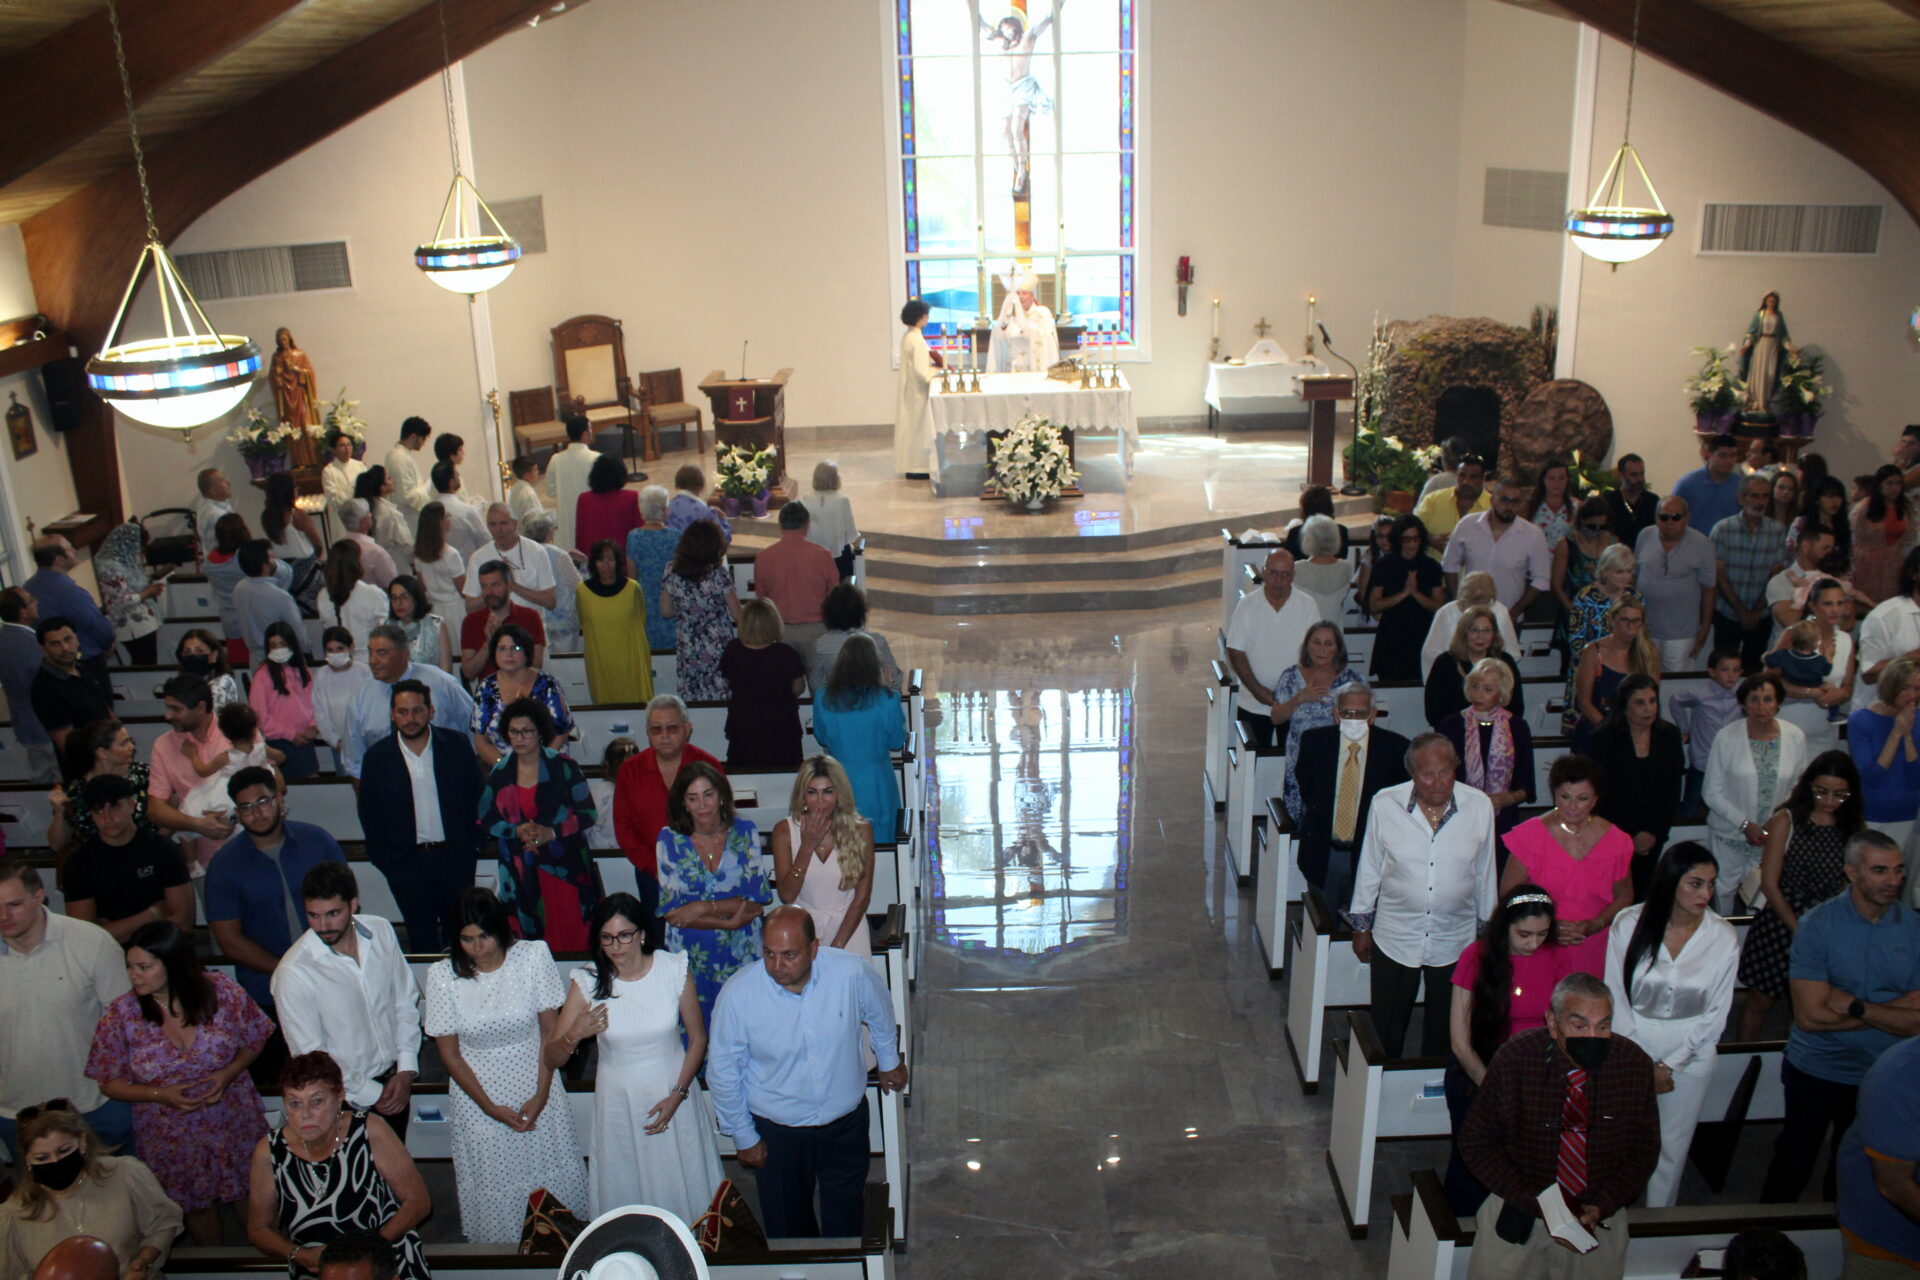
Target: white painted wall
[[1638, 325], [38, 487]]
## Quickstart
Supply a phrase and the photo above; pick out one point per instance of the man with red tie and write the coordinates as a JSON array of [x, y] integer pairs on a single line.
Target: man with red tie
[[1566, 1110]]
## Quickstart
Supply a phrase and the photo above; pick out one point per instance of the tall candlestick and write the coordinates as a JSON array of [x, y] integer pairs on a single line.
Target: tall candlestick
[[1216, 317], [969, 348], [1310, 301]]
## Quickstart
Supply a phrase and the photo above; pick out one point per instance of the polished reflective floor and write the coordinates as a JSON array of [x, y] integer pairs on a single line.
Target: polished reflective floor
[[1102, 1085]]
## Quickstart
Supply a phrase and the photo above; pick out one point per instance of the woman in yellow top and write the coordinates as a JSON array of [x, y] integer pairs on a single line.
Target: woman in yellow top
[[613, 629]]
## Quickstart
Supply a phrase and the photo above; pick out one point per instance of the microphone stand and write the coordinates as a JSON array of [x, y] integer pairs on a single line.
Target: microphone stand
[[1349, 489]]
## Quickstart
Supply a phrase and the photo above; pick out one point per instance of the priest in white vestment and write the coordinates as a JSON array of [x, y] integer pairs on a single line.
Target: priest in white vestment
[[1024, 340], [913, 409], [403, 468]]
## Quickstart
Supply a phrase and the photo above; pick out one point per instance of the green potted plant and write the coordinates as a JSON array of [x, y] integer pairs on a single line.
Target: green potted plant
[[744, 475], [1714, 392], [1803, 393]]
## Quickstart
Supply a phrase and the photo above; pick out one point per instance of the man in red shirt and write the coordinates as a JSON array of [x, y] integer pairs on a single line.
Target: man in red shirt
[[495, 611], [796, 575], [640, 791]]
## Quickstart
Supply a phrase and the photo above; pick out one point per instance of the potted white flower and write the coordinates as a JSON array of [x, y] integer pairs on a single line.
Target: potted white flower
[[1030, 463]]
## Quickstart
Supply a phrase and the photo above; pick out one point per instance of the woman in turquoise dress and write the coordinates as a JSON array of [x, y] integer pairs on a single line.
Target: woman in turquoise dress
[[860, 722], [649, 551], [712, 888]]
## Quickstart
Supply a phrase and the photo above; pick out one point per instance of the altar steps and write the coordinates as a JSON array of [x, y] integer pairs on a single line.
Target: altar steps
[[885, 567], [1081, 594]]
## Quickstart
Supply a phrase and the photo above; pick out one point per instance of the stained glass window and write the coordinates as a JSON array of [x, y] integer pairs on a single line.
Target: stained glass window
[[1017, 125]]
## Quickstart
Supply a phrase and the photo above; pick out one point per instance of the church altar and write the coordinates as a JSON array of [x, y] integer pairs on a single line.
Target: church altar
[[961, 420], [1255, 388]]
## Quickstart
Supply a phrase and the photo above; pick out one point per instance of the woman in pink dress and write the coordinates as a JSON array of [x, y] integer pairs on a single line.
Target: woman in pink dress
[[1581, 859], [823, 856], [177, 1046]]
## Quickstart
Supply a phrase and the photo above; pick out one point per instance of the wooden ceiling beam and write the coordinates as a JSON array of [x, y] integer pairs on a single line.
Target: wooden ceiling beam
[[1909, 7], [1876, 128], [80, 251], [63, 89]]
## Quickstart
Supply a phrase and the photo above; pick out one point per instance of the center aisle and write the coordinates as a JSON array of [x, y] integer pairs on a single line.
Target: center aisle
[[1101, 1084]]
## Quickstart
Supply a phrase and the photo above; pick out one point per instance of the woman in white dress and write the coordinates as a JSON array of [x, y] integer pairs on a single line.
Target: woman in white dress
[[913, 406], [491, 1006], [652, 1139], [1813, 707], [349, 600], [1671, 962], [823, 856], [438, 564]]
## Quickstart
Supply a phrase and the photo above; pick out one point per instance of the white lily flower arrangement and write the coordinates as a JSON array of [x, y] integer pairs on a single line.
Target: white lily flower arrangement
[[261, 437], [1030, 462], [744, 471], [338, 415]]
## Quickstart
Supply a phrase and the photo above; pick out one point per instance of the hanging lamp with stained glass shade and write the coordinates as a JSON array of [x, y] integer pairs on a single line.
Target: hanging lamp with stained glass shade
[[1609, 229], [465, 255], [192, 373]]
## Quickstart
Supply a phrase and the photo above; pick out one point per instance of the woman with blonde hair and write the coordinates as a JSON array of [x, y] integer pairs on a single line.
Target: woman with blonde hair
[[766, 678], [823, 856], [1493, 741], [70, 1186], [1476, 638], [1625, 650], [1475, 588], [832, 525], [1586, 621]]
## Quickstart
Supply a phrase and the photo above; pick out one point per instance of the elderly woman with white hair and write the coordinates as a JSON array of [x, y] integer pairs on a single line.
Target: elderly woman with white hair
[[1475, 588], [832, 525], [649, 552], [563, 620], [1322, 573]]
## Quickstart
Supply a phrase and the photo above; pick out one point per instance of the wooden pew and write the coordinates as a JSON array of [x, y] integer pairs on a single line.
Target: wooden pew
[[1429, 1243], [1378, 1099]]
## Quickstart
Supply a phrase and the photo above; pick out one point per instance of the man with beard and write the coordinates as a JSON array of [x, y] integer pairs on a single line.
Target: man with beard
[[1498, 541], [370, 714], [419, 792], [253, 888], [344, 986]]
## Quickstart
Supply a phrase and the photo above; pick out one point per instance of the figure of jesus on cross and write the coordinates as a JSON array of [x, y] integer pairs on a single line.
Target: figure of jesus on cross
[[1015, 38]]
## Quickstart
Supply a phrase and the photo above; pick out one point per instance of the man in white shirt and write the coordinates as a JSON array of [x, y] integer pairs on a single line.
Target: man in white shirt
[[1498, 541], [523, 495], [1891, 631], [344, 986], [1264, 638], [567, 473], [342, 469], [216, 500], [466, 528], [403, 468], [356, 522], [532, 580], [1425, 883], [57, 977]]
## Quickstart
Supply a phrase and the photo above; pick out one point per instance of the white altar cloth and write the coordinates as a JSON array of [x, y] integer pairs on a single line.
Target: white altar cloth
[[1257, 388], [1005, 398]]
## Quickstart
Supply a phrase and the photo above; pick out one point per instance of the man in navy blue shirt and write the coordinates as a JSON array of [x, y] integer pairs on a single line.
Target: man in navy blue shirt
[[1855, 977], [1713, 491], [253, 891], [1879, 1201], [60, 596]]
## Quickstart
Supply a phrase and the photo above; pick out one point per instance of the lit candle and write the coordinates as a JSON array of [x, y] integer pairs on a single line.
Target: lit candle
[[969, 348], [1310, 301], [1216, 317]]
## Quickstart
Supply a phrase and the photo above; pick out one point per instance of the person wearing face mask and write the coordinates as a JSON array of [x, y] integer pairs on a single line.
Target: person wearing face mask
[[334, 686], [1340, 768], [1671, 962], [70, 1186], [1565, 1110], [282, 696], [200, 653]]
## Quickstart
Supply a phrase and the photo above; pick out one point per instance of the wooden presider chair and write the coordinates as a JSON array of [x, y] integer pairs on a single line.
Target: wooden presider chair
[[590, 372], [535, 419], [663, 403]]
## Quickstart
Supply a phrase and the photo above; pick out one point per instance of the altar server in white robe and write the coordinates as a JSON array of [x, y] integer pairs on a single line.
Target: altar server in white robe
[[1671, 963], [1024, 339], [913, 409], [403, 468]]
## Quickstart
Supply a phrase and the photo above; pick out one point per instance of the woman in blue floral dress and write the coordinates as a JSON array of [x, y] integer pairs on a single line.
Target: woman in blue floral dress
[[698, 590], [1613, 576], [515, 677], [649, 551], [712, 890], [1307, 689]]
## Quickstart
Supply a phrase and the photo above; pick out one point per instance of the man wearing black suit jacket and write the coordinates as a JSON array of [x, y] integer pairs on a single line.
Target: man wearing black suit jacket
[[419, 804], [1328, 857]]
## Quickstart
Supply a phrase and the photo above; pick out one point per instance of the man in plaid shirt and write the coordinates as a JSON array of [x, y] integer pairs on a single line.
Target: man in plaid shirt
[[1569, 1107], [1749, 549]]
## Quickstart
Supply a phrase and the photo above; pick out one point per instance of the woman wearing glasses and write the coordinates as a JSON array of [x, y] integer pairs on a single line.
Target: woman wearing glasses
[[652, 1139], [1800, 868], [537, 809], [1623, 651], [516, 679], [70, 1186]]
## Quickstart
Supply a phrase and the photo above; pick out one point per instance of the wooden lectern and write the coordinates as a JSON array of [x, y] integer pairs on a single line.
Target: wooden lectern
[[1322, 391], [751, 411]]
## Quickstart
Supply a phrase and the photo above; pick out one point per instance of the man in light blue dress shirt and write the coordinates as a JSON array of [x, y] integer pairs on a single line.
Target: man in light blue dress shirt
[[788, 1080], [370, 714]]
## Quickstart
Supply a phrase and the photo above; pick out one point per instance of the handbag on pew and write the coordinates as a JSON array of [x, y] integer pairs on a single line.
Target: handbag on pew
[[728, 1225], [550, 1227]]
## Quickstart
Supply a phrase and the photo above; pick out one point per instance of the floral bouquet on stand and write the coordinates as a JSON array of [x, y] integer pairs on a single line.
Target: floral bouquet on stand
[[338, 415], [263, 443], [1391, 469], [1715, 392], [1030, 463], [1803, 393], [745, 474]]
